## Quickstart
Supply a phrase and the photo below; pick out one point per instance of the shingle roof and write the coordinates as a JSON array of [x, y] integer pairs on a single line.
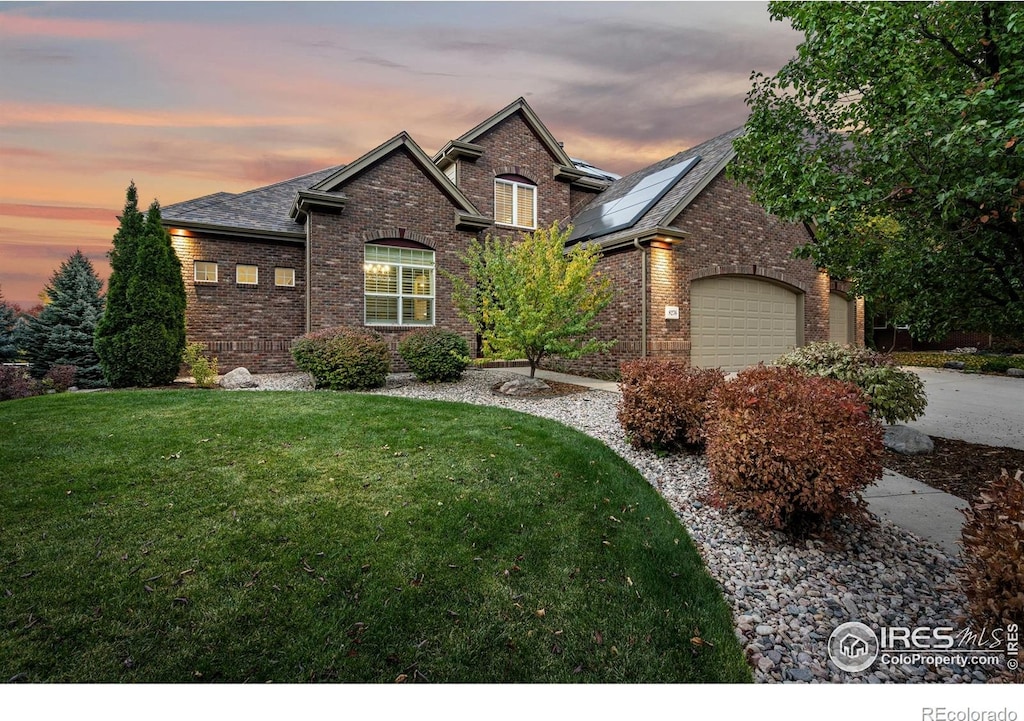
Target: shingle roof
[[260, 210], [714, 154]]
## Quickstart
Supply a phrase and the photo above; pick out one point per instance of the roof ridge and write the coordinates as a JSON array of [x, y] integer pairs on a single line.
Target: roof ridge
[[329, 170]]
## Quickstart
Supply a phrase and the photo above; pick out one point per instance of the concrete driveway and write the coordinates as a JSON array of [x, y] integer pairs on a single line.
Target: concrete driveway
[[973, 408]]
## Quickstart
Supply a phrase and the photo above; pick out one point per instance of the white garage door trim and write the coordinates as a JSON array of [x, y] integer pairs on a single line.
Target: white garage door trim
[[737, 321]]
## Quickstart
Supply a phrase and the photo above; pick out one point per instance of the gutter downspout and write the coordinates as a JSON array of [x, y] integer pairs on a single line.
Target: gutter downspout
[[643, 297], [309, 273]]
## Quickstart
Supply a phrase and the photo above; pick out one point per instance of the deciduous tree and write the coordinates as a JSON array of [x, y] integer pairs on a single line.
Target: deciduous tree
[[531, 299], [896, 132]]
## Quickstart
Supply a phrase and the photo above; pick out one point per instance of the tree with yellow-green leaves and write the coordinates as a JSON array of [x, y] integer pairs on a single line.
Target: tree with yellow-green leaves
[[530, 298]]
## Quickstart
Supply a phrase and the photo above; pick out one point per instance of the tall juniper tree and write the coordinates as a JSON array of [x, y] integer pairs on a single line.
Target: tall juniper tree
[[63, 332], [142, 334]]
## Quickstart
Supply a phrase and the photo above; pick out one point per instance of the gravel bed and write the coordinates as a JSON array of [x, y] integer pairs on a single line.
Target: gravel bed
[[787, 596]]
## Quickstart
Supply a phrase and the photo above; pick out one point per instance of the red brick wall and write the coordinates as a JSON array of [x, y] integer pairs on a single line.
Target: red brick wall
[[243, 325], [728, 233], [391, 200], [511, 147]]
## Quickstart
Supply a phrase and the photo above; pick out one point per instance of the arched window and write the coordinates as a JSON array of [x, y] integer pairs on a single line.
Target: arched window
[[515, 202], [398, 285]]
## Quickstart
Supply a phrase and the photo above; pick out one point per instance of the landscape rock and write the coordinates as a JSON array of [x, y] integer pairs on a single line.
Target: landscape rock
[[523, 386], [955, 365], [907, 440], [1015, 372], [238, 378]]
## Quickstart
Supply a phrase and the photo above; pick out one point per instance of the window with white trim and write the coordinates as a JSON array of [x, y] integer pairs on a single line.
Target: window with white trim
[[515, 203], [247, 274], [398, 285], [204, 271], [284, 277]]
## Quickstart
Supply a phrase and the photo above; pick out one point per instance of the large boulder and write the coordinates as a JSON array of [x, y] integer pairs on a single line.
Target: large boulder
[[907, 440], [238, 378], [1015, 372], [523, 387]]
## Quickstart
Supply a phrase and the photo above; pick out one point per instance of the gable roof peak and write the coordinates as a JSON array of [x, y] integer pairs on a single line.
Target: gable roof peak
[[519, 105], [321, 191]]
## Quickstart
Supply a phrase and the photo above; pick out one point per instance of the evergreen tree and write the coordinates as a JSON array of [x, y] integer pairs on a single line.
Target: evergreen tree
[[8, 322], [63, 332], [142, 334]]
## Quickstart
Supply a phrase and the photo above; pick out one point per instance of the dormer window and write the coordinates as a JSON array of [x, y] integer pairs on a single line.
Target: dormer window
[[515, 203]]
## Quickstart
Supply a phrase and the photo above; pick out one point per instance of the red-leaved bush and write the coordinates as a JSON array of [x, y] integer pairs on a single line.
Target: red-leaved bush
[[60, 377], [993, 541], [15, 382], [665, 404], [793, 450]]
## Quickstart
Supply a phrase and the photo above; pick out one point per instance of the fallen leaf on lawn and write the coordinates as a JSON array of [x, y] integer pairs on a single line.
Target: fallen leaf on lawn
[[148, 589], [698, 641], [401, 678], [540, 613], [598, 638], [181, 601]]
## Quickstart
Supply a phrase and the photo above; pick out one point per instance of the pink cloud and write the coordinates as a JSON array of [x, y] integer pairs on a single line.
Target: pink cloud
[[59, 212], [13, 114], [27, 25]]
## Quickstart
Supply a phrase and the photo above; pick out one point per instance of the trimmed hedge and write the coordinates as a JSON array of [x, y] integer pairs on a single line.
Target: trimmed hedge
[[435, 355], [893, 394], [343, 358], [982, 362], [665, 404], [793, 450]]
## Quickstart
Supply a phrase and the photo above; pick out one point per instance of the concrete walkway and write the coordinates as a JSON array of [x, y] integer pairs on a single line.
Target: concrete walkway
[[975, 408]]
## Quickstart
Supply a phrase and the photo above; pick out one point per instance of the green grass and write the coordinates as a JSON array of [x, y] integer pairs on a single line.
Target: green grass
[[171, 536]]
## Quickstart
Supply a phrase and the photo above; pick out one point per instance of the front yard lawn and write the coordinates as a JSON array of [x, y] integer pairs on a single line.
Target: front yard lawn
[[171, 536]]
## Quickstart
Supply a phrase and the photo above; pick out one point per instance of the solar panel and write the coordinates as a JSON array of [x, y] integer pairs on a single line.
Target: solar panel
[[624, 212]]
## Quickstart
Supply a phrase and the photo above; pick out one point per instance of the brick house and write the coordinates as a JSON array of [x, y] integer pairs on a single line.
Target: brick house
[[701, 273]]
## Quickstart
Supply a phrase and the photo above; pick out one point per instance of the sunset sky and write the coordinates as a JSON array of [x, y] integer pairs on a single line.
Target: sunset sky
[[192, 98]]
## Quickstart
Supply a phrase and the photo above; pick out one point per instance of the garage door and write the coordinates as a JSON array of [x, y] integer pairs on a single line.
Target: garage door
[[737, 321], [839, 327]]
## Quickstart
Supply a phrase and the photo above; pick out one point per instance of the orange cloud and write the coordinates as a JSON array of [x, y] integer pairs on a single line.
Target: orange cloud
[[12, 114], [59, 212]]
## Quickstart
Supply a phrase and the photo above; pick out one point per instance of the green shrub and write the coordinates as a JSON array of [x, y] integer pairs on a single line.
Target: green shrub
[[972, 361], [664, 404], [203, 371], [59, 378], [794, 450], [893, 394], [343, 358], [435, 355], [993, 550]]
